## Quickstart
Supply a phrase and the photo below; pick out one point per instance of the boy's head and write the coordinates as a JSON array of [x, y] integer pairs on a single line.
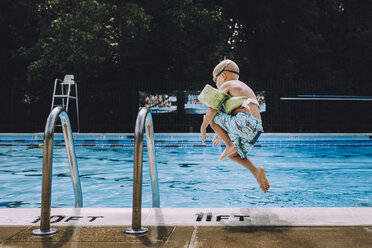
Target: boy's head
[[226, 70]]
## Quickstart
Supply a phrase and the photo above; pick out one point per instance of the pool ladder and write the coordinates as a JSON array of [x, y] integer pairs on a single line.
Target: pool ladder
[[144, 124], [47, 168]]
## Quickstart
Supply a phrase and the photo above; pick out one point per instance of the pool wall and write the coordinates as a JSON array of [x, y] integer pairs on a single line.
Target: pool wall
[[190, 139]]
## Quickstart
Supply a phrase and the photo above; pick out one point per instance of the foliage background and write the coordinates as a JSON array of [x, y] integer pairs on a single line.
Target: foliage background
[[116, 48]]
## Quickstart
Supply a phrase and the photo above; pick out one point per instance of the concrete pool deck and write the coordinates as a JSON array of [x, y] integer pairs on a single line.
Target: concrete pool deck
[[192, 227]]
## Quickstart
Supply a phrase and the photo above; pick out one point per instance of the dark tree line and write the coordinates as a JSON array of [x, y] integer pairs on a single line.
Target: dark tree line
[[125, 46]]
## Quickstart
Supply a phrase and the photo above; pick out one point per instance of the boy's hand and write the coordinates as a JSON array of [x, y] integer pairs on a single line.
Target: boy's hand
[[203, 132], [217, 141]]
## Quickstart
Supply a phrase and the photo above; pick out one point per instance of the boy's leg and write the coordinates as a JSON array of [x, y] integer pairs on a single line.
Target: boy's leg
[[258, 172], [230, 147]]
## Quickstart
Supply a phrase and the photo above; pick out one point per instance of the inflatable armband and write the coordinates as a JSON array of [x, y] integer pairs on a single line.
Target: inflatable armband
[[212, 97], [233, 103]]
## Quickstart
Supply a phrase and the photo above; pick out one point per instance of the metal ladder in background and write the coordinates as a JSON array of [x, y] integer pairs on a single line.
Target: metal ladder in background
[[64, 94], [47, 168], [144, 124]]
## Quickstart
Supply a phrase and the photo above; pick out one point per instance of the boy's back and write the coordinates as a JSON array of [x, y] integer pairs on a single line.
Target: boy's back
[[238, 88]]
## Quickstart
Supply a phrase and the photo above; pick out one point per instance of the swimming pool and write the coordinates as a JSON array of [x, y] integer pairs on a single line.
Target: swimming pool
[[303, 170]]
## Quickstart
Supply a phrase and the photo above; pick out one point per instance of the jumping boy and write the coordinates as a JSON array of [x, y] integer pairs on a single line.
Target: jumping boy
[[240, 129]]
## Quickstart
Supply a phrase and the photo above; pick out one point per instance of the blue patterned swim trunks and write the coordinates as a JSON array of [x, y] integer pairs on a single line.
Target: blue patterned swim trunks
[[242, 128]]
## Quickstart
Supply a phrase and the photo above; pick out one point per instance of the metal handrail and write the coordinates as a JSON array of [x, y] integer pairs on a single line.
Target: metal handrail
[[143, 123], [47, 168]]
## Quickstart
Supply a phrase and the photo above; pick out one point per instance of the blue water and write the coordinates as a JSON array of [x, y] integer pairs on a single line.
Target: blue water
[[300, 176]]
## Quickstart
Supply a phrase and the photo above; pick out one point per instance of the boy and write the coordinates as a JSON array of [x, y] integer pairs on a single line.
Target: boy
[[241, 129]]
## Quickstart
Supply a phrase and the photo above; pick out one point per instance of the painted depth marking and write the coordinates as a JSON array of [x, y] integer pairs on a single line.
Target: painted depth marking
[[58, 218], [219, 217]]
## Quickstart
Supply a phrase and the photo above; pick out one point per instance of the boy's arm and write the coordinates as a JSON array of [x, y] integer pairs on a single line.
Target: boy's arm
[[207, 119]]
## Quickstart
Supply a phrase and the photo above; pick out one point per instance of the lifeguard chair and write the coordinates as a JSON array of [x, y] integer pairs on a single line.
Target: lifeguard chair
[[63, 91]]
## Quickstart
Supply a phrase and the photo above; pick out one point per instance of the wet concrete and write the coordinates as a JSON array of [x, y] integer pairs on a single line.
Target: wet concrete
[[192, 237]]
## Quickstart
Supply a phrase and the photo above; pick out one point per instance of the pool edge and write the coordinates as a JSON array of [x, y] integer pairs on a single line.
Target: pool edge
[[348, 216]]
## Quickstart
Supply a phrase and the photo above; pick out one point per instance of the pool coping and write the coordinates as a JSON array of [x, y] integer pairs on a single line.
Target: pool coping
[[256, 217]]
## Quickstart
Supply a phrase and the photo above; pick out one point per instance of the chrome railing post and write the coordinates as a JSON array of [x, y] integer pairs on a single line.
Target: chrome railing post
[[152, 161], [143, 123], [70, 148], [47, 168]]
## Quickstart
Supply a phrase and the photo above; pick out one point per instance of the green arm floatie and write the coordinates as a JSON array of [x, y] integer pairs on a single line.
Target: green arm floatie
[[233, 103], [213, 97]]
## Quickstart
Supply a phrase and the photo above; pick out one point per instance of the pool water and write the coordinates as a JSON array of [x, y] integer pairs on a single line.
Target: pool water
[[300, 176]]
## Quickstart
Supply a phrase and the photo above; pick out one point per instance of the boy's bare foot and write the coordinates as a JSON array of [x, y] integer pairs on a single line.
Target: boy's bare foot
[[228, 151], [261, 179]]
